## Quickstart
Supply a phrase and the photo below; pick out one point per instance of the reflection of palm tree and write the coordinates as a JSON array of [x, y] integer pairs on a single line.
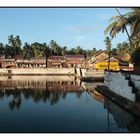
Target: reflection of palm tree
[[1, 94], [52, 92], [15, 103]]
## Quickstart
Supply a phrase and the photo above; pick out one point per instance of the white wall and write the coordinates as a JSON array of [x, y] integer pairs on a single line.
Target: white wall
[[117, 83], [94, 73], [136, 80]]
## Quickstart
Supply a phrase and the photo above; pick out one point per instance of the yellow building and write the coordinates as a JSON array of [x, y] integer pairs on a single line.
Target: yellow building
[[104, 65]]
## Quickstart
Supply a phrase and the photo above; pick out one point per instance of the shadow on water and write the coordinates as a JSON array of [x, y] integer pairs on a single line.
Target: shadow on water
[[121, 116]]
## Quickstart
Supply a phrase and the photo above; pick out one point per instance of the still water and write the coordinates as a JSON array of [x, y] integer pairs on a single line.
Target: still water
[[59, 104]]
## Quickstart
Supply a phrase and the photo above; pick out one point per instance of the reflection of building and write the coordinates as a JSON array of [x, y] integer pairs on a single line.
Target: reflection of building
[[37, 90], [57, 86]]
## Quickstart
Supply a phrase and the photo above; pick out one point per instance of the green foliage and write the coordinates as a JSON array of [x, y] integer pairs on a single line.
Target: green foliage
[[14, 44], [108, 44], [27, 51], [2, 49], [38, 50]]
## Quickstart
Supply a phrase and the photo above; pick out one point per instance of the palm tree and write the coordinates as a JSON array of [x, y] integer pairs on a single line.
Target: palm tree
[[108, 47], [64, 50], [47, 53], [118, 24], [11, 43], [18, 44], [15, 43], [136, 41], [27, 50], [2, 49], [124, 50], [133, 18], [54, 46]]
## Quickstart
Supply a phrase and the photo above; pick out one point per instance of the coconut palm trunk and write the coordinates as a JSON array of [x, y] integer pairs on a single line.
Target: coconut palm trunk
[[125, 29]]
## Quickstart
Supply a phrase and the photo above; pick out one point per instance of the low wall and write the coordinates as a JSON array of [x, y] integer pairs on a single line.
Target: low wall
[[80, 72], [117, 82], [38, 71], [136, 80], [40, 78], [94, 73]]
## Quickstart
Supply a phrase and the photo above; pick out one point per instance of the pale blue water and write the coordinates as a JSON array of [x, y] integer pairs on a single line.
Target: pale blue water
[[44, 106]]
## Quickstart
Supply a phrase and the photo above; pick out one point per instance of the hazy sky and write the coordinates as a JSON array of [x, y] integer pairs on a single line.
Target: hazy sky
[[67, 26]]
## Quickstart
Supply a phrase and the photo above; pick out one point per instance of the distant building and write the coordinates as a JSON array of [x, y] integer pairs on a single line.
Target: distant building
[[52, 61], [6, 63], [33, 62], [56, 61], [101, 58], [74, 60]]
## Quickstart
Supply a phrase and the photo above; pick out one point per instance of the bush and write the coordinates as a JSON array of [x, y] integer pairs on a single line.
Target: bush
[[136, 57]]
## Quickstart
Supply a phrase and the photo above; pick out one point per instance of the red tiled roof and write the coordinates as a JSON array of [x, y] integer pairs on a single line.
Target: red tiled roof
[[56, 57], [74, 62], [75, 56]]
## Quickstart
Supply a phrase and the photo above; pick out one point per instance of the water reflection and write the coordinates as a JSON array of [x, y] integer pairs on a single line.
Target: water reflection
[[122, 118], [59, 104], [41, 90]]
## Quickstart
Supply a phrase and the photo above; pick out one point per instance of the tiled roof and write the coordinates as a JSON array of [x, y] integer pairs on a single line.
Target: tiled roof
[[98, 53], [56, 57], [74, 62], [75, 56]]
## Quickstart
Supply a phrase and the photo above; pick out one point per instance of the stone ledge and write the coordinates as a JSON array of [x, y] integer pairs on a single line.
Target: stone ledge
[[133, 108]]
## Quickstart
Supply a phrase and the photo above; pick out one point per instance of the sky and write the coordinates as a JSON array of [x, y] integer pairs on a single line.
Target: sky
[[67, 26]]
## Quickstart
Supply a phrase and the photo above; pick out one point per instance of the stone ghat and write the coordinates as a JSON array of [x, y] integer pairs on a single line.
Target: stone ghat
[[37, 71], [133, 108]]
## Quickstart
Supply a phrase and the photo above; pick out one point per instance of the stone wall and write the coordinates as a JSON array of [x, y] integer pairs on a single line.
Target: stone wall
[[119, 84], [38, 71], [94, 73], [136, 81]]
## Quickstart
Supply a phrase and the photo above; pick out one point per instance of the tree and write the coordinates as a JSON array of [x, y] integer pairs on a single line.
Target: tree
[[47, 53], [136, 41], [54, 47], [78, 50], [18, 44], [108, 47], [64, 50], [9, 51], [133, 18], [15, 43], [136, 57], [2, 49], [124, 51], [117, 24], [38, 49], [27, 51], [108, 44]]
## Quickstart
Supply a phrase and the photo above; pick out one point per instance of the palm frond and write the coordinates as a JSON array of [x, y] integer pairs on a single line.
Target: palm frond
[[109, 27], [116, 17]]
